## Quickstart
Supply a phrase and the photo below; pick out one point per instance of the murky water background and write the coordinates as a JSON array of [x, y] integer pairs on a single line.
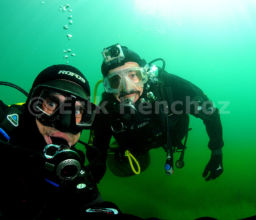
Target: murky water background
[[211, 43]]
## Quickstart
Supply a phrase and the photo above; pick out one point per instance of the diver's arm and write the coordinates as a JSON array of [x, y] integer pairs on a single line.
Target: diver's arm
[[97, 154], [4, 136], [195, 102], [201, 107]]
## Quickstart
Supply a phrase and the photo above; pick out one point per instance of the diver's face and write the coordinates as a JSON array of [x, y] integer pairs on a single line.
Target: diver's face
[[49, 132], [131, 89], [49, 106]]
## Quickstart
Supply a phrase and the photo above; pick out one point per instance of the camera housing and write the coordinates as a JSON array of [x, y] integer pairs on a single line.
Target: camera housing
[[113, 54]]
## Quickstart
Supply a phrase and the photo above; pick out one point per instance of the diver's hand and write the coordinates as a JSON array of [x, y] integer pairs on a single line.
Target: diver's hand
[[214, 168]]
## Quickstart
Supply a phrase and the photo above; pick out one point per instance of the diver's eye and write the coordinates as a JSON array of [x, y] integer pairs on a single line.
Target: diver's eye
[[133, 75], [49, 106], [79, 111]]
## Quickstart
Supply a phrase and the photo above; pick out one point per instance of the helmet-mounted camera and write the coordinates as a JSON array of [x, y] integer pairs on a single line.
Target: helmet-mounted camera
[[113, 54]]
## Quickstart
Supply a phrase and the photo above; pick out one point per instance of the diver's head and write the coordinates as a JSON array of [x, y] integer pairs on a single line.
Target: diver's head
[[126, 81], [123, 72], [59, 100]]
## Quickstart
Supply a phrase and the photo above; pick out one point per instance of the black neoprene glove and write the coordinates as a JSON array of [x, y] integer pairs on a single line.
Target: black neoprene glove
[[214, 168]]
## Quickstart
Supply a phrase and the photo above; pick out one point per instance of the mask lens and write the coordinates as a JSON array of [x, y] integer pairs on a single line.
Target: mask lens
[[50, 105], [135, 75], [48, 102], [84, 113], [114, 81], [79, 111]]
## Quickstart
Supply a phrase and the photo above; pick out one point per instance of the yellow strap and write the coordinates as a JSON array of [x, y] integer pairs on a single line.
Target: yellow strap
[[95, 90], [131, 158], [20, 103]]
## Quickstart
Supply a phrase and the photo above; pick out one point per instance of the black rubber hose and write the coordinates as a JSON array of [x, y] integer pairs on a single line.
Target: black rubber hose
[[2, 83], [159, 59]]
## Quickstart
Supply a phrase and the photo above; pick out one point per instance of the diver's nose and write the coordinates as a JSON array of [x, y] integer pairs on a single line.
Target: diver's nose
[[127, 85]]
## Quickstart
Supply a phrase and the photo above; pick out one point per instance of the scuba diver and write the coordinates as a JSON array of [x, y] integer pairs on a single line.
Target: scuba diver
[[43, 175], [144, 107]]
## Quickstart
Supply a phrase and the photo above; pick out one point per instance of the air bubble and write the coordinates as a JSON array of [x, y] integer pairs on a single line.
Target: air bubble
[[66, 7], [69, 36]]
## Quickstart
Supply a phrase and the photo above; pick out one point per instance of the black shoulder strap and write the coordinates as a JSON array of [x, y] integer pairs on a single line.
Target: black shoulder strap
[[167, 96]]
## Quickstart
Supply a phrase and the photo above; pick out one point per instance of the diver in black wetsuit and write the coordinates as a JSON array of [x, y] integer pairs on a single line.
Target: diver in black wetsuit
[[42, 173], [144, 107]]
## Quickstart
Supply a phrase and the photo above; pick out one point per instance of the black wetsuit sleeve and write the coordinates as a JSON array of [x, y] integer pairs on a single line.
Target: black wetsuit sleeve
[[97, 155], [3, 108], [3, 113], [195, 102]]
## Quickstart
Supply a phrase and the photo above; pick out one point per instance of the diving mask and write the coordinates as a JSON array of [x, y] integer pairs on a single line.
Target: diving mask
[[125, 81], [63, 111]]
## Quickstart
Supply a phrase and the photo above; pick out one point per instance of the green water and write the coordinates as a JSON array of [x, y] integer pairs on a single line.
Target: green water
[[211, 43]]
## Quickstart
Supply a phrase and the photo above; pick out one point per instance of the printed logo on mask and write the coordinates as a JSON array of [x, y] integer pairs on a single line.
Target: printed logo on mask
[[64, 72]]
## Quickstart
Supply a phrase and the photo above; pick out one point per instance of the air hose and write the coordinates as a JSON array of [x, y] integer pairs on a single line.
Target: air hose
[[158, 59], [2, 83], [96, 90], [91, 136]]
